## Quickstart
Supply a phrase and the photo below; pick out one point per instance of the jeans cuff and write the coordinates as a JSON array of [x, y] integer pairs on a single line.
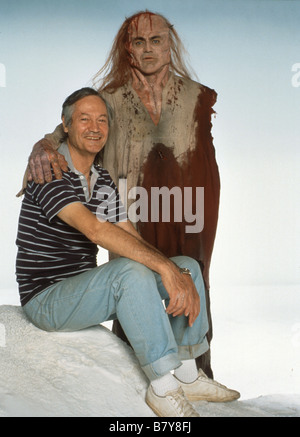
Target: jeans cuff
[[194, 351], [162, 366]]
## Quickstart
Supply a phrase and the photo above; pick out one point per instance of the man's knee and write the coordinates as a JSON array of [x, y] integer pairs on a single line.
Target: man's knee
[[138, 270], [135, 275]]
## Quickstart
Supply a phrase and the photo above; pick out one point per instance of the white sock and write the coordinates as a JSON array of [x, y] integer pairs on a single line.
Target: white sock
[[187, 372], [164, 384]]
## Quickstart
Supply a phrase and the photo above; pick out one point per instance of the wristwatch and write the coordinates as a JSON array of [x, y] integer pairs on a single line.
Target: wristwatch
[[185, 271]]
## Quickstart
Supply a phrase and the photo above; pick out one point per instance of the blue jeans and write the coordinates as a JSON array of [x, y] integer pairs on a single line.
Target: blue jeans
[[133, 294]]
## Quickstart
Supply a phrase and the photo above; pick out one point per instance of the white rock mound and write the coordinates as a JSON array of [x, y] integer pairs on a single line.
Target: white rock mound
[[86, 373], [90, 373]]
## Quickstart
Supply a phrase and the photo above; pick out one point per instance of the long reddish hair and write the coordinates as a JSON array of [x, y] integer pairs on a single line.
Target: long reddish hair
[[116, 70]]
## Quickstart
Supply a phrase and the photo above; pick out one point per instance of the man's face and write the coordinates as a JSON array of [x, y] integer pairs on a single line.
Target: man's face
[[149, 44], [89, 128]]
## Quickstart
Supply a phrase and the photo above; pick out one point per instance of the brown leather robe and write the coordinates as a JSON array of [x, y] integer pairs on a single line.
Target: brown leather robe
[[177, 152]]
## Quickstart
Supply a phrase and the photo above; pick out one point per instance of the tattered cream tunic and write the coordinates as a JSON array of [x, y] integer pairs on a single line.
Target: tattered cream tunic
[[177, 152]]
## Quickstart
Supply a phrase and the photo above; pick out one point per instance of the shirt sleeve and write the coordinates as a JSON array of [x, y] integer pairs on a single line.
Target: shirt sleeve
[[53, 196]]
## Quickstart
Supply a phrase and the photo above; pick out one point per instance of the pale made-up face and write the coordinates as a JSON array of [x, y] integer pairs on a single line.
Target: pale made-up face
[[88, 131], [149, 44]]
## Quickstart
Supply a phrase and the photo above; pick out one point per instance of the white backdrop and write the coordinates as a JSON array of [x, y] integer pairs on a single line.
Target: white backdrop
[[247, 51]]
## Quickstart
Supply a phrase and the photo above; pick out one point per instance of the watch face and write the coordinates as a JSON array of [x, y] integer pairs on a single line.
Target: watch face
[[185, 271]]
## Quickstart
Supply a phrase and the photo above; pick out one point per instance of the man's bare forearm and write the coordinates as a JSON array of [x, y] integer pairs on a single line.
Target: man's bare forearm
[[125, 242], [127, 226], [184, 298]]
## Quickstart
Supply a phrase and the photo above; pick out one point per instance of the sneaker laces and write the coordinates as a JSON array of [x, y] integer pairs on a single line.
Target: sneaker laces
[[180, 403]]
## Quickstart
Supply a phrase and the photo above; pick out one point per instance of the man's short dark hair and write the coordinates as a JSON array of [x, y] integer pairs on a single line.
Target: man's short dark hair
[[68, 105]]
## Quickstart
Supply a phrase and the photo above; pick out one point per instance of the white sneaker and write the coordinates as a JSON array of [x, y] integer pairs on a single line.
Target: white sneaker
[[173, 404], [206, 389]]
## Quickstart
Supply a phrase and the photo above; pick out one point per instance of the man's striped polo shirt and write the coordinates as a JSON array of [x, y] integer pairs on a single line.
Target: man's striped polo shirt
[[49, 250]]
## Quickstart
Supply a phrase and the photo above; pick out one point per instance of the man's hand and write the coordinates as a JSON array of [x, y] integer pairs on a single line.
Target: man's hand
[[42, 158], [124, 240], [184, 299]]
